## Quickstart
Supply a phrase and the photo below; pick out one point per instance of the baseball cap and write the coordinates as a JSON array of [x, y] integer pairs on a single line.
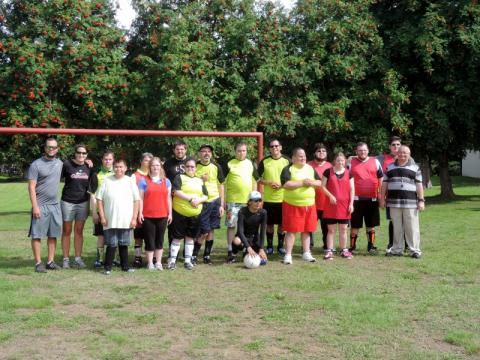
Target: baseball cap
[[206, 146], [254, 195]]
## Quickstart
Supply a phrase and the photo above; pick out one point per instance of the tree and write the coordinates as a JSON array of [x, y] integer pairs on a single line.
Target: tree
[[434, 46]]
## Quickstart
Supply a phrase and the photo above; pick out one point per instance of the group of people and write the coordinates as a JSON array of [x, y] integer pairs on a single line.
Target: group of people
[[187, 197]]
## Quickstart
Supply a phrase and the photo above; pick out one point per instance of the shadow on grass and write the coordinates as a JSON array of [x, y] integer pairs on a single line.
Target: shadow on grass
[[458, 181], [8, 213], [12, 180], [437, 199]]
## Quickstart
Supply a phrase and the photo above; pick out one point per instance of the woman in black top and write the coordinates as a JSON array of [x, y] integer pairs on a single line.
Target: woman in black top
[[251, 227], [80, 183]]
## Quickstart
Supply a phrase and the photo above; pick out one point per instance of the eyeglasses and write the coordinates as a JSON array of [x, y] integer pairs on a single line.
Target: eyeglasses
[[81, 152], [274, 146], [51, 147], [190, 166], [395, 144], [256, 200]]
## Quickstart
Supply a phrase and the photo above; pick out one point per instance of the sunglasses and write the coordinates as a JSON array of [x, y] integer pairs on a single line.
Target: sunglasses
[[81, 152]]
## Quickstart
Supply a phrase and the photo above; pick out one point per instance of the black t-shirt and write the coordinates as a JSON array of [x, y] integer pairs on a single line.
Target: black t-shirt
[[79, 180], [173, 167], [251, 227]]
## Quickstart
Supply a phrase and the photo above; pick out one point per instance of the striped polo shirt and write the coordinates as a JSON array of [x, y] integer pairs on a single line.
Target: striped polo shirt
[[402, 184]]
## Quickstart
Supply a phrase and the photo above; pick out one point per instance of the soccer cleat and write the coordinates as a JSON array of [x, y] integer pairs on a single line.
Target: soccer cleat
[[80, 264], [137, 262], [281, 251], [416, 255], [40, 268], [66, 263], [307, 256], [269, 251], [346, 254], [328, 255], [52, 266], [231, 259], [188, 265], [172, 265], [372, 250], [287, 260], [98, 264], [194, 260], [207, 260]]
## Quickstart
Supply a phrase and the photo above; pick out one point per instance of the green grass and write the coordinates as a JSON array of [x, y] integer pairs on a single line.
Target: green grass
[[371, 307]]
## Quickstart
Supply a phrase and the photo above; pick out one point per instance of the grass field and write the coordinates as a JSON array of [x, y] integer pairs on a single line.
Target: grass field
[[371, 307]]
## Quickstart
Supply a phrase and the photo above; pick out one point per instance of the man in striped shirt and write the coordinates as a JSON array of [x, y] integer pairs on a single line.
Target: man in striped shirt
[[402, 192]]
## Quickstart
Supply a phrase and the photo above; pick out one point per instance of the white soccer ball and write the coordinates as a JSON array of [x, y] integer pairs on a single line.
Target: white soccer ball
[[251, 262]]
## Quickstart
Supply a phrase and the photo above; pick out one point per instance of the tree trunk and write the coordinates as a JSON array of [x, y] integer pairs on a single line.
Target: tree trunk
[[446, 186], [426, 172]]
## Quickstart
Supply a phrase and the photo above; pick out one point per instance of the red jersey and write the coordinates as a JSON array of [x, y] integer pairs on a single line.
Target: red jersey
[[320, 197], [387, 159], [366, 175], [340, 188], [155, 199]]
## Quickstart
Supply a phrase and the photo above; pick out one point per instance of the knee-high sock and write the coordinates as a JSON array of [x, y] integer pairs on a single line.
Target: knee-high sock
[[123, 251], [174, 249], [281, 239], [109, 255], [269, 239], [196, 248], [208, 248], [188, 250], [353, 241], [371, 239]]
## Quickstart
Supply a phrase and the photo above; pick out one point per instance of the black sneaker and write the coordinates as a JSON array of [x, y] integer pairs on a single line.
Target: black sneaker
[[207, 260], [137, 262], [231, 259], [52, 266], [40, 268], [372, 250], [416, 256]]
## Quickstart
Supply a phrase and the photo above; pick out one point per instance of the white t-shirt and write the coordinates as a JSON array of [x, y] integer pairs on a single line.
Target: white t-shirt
[[118, 196]]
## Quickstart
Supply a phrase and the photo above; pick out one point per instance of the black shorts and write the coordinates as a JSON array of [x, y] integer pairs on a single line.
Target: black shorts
[[365, 209], [138, 233], [154, 231], [183, 226], [336, 221], [274, 213], [253, 245], [98, 230], [209, 217]]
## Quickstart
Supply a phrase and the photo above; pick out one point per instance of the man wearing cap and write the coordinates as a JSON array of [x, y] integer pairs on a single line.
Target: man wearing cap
[[251, 226], [240, 179], [213, 209], [269, 171]]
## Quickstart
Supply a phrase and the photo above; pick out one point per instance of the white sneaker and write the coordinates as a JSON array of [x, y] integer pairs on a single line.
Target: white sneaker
[[287, 260], [151, 267], [159, 266], [307, 256]]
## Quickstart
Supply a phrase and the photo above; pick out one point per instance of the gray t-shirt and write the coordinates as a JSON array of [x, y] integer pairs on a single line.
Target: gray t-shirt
[[47, 174]]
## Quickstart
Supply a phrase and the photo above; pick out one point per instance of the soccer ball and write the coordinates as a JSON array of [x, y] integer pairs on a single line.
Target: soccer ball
[[251, 262]]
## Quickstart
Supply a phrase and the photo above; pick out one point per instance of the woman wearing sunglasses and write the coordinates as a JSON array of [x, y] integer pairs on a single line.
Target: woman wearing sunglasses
[[79, 185]]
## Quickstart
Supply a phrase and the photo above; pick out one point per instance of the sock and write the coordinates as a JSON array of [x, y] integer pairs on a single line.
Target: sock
[[77, 258], [123, 250], [174, 249], [281, 239], [353, 241], [269, 240], [196, 248], [208, 248], [390, 234], [109, 255], [188, 250], [66, 258], [371, 238], [138, 251]]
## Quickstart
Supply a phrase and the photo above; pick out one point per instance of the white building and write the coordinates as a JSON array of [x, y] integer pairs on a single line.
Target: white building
[[471, 164]]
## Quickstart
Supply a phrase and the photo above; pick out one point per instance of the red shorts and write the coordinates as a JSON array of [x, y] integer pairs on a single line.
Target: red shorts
[[299, 218]]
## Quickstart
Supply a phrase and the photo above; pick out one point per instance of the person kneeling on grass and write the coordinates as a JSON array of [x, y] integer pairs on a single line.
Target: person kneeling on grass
[[251, 228], [118, 202], [337, 183]]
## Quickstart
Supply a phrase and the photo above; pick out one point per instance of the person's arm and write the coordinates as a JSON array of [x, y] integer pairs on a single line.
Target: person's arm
[[101, 212], [330, 196], [287, 183], [379, 177], [32, 184], [221, 191], [383, 194], [352, 194], [136, 207], [241, 230], [169, 202], [140, 208], [420, 197]]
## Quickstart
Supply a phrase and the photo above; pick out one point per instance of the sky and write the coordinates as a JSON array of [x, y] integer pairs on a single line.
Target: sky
[[125, 13]]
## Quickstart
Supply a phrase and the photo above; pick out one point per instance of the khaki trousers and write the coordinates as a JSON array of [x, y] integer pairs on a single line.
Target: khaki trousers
[[406, 227]]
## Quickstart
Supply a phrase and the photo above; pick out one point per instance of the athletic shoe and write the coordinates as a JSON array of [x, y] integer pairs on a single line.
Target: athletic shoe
[[287, 260], [129, 270], [188, 265], [138, 262], [107, 272], [281, 251], [346, 254], [307, 256], [158, 266], [416, 255], [172, 265], [328, 255], [269, 251], [263, 262], [52, 266], [80, 264], [98, 264], [151, 267], [231, 259], [194, 260], [372, 250], [40, 268], [207, 260], [66, 263]]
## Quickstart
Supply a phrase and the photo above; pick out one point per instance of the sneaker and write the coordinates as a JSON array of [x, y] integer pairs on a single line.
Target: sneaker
[[231, 259], [269, 251], [328, 255], [107, 272], [172, 265], [80, 264], [138, 262], [129, 270], [346, 254], [287, 260], [151, 267], [52, 266], [194, 260], [416, 255], [66, 263], [307, 256], [40, 268], [282, 251], [207, 260], [98, 264], [188, 265], [372, 250], [158, 266], [263, 262]]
